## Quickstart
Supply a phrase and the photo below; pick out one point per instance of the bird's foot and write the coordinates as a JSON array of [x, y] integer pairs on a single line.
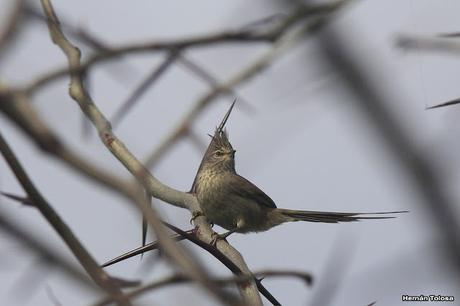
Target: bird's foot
[[195, 215], [215, 237], [222, 236]]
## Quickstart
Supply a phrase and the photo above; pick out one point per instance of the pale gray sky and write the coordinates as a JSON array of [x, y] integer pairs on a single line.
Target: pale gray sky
[[306, 146]]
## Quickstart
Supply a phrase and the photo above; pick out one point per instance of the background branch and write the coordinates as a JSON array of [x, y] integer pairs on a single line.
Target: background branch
[[180, 279], [85, 259]]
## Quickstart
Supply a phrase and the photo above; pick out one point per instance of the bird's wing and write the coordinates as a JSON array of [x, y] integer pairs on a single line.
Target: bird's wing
[[244, 188]]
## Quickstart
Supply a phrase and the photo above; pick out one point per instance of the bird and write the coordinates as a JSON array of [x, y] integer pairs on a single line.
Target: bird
[[237, 205]]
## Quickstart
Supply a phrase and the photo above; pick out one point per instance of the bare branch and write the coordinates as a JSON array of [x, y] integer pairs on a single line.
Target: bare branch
[[444, 104], [12, 25], [23, 200], [39, 247]]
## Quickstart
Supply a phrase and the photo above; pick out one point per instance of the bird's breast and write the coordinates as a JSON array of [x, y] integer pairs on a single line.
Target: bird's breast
[[208, 181]]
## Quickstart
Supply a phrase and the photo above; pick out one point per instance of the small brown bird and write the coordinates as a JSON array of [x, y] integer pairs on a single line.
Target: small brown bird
[[234, 203]]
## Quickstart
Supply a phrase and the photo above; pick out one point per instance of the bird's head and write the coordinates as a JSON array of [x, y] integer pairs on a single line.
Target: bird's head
[[220, 153]]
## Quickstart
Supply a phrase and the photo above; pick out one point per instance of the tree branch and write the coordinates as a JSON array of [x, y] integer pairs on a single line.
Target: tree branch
[[11, 28]]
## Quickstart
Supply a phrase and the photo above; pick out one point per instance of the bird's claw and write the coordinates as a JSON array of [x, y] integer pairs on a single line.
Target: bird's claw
[[195, 215], [215, 237]]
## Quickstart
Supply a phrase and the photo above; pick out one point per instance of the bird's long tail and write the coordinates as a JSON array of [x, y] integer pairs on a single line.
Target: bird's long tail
[[333, 217]]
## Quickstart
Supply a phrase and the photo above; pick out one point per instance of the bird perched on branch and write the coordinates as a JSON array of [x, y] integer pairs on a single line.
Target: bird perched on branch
[[234, 203]]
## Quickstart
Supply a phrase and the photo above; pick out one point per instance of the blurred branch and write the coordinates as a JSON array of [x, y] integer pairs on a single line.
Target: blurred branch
[[52, 296], [86, 38], [19, 109], [180, 279], [200, 72], [12, 26], [283, 43], [440, 44], [243, 36], [84, 258], [373, 102], [39, 247], [95, 43], [450, 35], [149, 81]]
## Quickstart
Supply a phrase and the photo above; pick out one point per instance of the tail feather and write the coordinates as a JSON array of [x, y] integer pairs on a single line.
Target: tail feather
[[333, 217]]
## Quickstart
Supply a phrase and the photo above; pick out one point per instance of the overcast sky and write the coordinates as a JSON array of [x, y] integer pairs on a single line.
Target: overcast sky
[[305, 144]]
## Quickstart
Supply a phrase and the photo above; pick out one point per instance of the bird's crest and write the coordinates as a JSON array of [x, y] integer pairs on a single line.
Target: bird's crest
[[218, 141]]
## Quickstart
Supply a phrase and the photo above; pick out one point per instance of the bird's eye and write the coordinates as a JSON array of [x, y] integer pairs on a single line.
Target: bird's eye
[[219, 153]]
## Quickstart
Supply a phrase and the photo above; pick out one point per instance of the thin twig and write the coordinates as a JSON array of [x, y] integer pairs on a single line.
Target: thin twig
[[52, 296], [149, 81], [200, 72], [140, 250], [444, 104], [85, 37]]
